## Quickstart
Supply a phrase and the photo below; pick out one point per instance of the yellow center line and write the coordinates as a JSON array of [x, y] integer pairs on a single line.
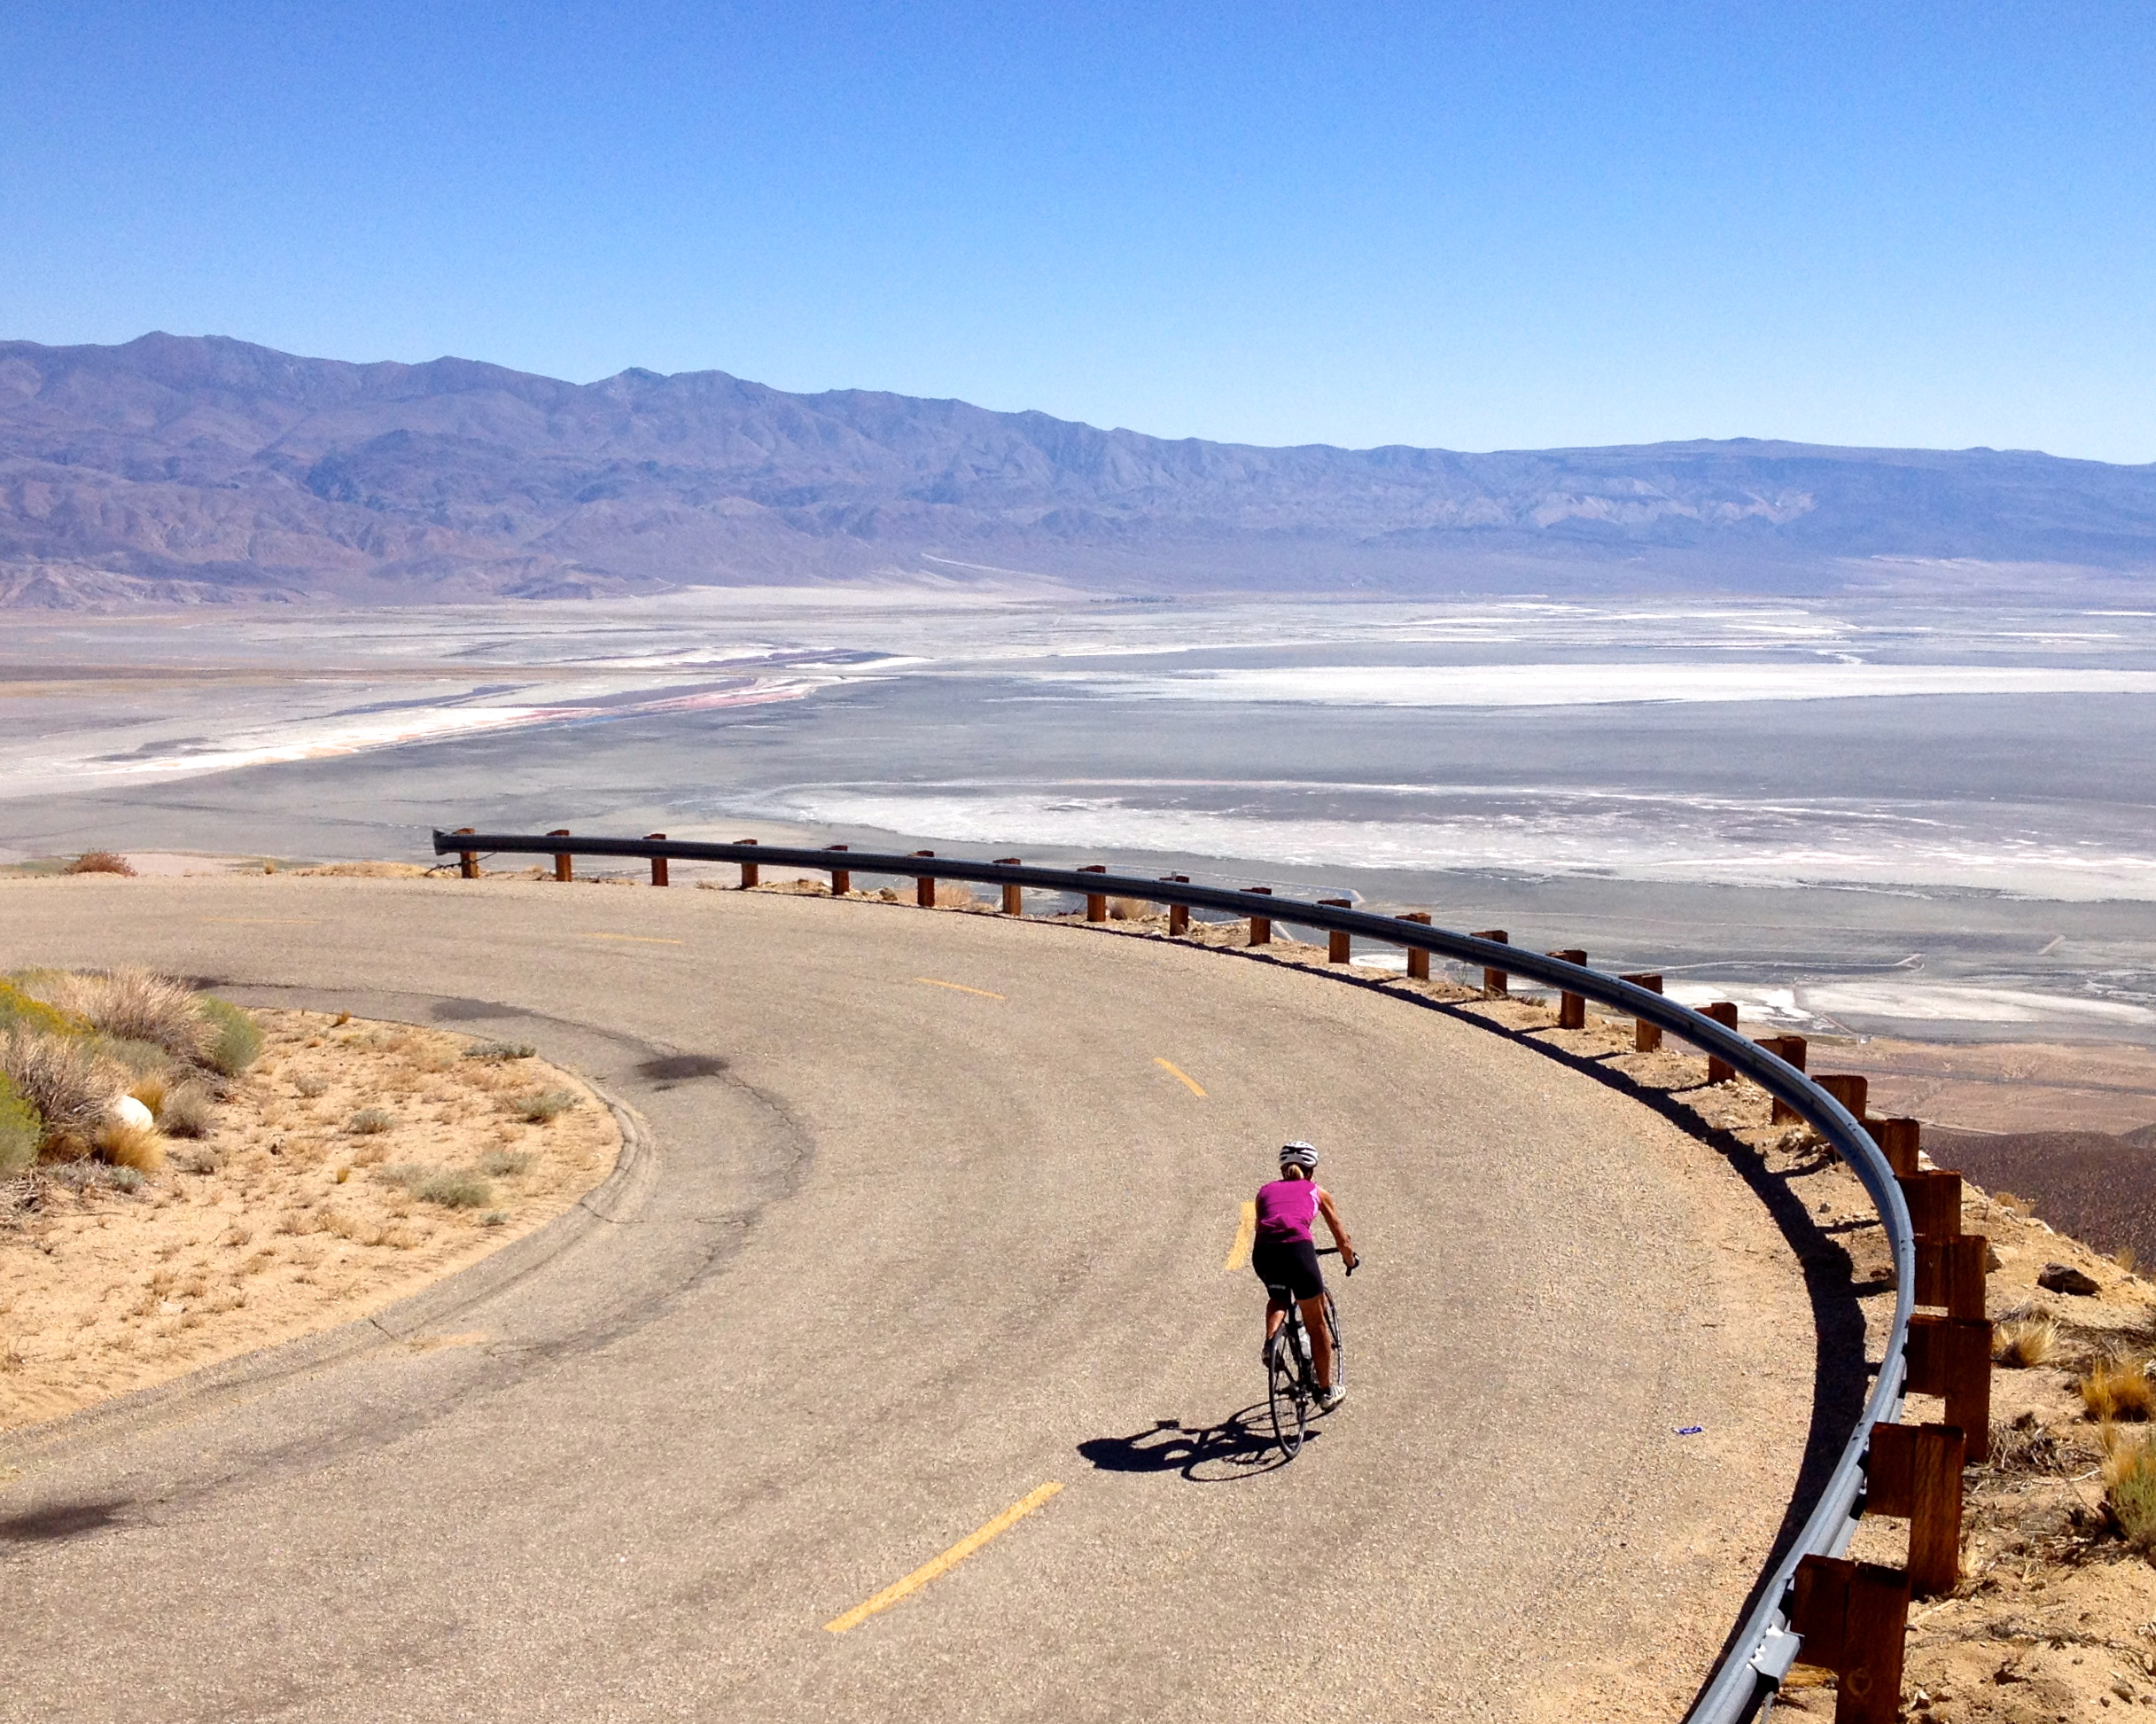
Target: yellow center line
[[641, 940], [959, 987], [942, 1565], [1179, 1074], [1246, 1233]]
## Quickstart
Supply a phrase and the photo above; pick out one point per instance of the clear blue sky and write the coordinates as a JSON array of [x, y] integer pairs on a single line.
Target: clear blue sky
[[1479, 227]]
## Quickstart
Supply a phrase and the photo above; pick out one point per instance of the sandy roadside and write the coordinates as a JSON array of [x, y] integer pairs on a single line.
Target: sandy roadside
[[301, 1211]]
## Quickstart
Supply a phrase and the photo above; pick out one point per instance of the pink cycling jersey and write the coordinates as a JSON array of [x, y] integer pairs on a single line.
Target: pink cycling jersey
[[1286, 1210]]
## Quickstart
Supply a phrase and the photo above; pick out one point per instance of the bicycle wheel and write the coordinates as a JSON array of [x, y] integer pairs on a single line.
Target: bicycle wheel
[[1287, 1393]]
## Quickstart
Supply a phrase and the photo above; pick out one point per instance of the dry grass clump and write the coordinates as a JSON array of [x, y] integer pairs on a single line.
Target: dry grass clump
[[371, 1122], [130, 1146], [67, 1078], [541, 1105], [2026, 1341], [309, 1086], [100, 862], [500, 1050], [454, 1188], [134, 1005], [506, 1164], [2129, 1487], [186, 1112], [2117, 1388], [1128, 909]]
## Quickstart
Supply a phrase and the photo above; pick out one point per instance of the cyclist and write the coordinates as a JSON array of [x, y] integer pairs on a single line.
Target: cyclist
[[1285, 1255]]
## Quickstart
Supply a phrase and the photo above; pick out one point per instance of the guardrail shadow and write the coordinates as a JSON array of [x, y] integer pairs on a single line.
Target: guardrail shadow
[[1241, 1447]]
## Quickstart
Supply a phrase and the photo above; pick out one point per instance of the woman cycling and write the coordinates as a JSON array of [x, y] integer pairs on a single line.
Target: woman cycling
[[1285, 1255]]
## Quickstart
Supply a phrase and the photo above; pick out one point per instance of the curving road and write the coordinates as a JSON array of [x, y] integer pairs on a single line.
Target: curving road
[[924, 1226]]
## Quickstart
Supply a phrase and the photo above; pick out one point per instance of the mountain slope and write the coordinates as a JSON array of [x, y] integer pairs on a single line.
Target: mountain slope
[[174, 470]]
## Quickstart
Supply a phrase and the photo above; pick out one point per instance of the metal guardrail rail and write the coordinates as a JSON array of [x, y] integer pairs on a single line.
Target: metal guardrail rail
[[1765, 1646]]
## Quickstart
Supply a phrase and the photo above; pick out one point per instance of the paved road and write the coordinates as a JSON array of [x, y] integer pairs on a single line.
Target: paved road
[[927, 1225]]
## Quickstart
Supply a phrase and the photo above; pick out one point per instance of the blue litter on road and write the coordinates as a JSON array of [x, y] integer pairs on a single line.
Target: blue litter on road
[[1690, 1430]]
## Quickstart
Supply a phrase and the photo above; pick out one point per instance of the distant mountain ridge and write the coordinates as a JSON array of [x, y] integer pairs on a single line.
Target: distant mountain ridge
[[184, 470]]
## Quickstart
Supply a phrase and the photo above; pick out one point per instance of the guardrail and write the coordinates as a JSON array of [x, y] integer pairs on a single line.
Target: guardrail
[[1847, 1612]]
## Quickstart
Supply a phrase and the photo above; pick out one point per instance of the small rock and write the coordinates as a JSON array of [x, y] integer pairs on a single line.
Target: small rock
[[172, 1307], [2064, 1278], [1993, 1261]]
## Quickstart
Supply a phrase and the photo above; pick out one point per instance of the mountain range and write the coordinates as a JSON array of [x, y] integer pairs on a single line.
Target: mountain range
[[173, 471]]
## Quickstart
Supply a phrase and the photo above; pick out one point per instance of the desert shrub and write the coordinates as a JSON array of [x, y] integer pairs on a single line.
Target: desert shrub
[[370, 1121], [2125, 1257], [505, 1163], [234, 1043], [126, 1179], [951, 895], [2129, 1486], [99, 862], [2117, 1388], [134, 1005], [130, 1146], [308, 1085], [500, 1050], [186, 1111], [66, 1079], [402, 1174], [20, 1128], [2026, 1341], [1127, 909], [200, 1160], [19, 1006], [494, 1218], [541, 1105], [454, 1188]]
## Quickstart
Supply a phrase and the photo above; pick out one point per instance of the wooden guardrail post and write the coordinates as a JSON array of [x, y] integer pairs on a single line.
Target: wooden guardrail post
[[924, 885], [1178, 914], [1496, 983], [1013, 896], [467, 861], [1913, 1473], [1950, 1357], [1646, 1038], [1950, 1274], [1934, 1203], [1336, 950], [1096, 902], [1571, 1007], [842, 878], [1724, 1013], [1791, 1050], [564, 863], [751, 873], [1899, 1141], [658, 863], [1852, 1091], [1418, 959], [1854, 1620], [1261, 926]]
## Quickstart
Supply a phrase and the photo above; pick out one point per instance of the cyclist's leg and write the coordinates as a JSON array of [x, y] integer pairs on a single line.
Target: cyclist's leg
[[1320, 1333]]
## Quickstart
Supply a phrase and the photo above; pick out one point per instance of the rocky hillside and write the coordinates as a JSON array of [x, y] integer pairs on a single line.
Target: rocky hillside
[[177, 469]]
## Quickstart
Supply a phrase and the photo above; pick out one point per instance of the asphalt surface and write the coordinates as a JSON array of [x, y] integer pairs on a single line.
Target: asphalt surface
[[922, 1224]]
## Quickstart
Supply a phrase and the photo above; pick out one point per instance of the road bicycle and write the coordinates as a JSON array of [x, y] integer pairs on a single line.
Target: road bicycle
[[1291, 1378]]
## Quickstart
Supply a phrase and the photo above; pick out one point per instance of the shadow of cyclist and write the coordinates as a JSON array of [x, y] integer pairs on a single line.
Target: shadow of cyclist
[[1240, 1446]]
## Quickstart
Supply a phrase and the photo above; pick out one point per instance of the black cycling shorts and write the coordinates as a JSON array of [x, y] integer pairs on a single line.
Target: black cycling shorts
[[1289, 1263]]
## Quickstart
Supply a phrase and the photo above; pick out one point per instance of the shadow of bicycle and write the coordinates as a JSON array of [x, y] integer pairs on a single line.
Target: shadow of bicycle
[[1240, 1446]]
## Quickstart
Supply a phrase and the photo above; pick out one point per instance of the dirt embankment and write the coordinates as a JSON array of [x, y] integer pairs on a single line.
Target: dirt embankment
[[354, 1164]]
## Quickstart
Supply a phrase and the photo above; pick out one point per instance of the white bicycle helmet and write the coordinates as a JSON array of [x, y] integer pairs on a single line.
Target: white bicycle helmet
[[1299, 1154]]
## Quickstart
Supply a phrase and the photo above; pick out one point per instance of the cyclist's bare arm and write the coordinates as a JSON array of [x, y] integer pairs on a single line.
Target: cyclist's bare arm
[[1340, 1231]]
